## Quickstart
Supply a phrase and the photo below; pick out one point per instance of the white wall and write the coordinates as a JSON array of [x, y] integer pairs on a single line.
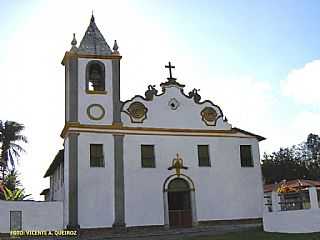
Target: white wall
[[160, 115], [57, 186], [95, 185], [223, 191], [87, 99], [66, 183], [35, 215], [298, 221]]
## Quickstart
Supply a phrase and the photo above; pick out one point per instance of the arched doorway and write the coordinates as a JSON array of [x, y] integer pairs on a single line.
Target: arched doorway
[[179, 203]]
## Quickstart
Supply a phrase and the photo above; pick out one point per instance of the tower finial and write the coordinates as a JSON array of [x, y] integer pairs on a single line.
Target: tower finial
[[74, 40], [74, 44], [92, 17], [115, 47]]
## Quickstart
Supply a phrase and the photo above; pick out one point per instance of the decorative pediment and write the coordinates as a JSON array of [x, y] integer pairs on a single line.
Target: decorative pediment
[[172, 108]]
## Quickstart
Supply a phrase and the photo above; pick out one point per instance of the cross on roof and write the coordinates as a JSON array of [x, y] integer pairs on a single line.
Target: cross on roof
[[170, 71]]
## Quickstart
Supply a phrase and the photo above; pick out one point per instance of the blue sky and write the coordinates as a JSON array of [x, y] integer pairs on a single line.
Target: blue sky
[[258, 60]]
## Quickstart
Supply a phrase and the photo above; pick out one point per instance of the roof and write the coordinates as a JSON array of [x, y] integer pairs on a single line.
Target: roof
[[93, 41], [292, 184], [45, 191], [260, 138], [59, 158]]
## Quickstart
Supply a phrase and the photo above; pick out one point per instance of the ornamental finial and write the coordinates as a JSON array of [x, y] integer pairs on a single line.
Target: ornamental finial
[[92, 17], [74, 40], [115, 47]]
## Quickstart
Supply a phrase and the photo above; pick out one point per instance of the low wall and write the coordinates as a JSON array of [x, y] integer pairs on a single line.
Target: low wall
[[35, 215], [295, 221]]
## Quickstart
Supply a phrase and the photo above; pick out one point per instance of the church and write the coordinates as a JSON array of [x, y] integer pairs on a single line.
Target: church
[[165, 159]]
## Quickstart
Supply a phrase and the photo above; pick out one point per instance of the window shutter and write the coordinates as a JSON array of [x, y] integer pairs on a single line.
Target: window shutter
[[246, 156], [96, 155], [147, 156], [203, 156]]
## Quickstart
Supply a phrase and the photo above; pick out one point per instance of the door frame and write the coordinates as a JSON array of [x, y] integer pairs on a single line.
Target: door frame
[[192, 198]]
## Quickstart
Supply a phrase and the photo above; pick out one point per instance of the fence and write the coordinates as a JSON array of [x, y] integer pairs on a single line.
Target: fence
[[292, 212]]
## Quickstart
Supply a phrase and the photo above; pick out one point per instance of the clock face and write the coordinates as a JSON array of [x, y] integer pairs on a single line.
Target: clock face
[[95, 111]]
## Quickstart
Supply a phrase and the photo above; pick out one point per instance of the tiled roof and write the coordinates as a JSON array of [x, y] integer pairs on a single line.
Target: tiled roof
[[93, 41], [296, 184]]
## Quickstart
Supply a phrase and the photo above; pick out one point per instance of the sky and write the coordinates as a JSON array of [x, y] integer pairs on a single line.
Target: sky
[[258, 60]]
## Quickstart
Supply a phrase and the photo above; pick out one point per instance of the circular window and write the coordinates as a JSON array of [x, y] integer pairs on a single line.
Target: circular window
[[95, 111]]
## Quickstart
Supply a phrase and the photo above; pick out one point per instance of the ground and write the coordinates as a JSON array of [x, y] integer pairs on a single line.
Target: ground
[[218, 232]]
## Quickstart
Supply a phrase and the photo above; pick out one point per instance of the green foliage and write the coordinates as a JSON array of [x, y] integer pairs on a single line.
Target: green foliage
[[10, 134], [15, 195], [297, 162]]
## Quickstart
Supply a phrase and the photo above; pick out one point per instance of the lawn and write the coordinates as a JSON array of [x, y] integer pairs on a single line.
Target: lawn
[[258, 234]]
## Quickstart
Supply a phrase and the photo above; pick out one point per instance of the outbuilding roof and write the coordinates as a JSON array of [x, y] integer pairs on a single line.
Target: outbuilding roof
[[292, 184], [59, 158]]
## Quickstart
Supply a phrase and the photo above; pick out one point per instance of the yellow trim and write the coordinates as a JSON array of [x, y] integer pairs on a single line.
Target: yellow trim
[[96, 92], [76, 55], [119, 129]]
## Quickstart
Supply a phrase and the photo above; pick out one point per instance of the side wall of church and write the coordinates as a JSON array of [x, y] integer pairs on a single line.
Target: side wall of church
[[66, 183], [223, 191], [95, 184], [85, 99]]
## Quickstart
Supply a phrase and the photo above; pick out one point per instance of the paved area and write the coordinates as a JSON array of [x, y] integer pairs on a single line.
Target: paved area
[[177, 234], [158, 234]]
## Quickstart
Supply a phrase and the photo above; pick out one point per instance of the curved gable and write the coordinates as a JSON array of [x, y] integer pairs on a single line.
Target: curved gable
[[172, 109]]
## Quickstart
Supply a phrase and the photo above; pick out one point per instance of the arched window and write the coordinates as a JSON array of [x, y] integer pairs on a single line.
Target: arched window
[[95, 76]]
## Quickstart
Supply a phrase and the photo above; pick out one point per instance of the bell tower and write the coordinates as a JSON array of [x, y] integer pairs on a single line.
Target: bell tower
[[92, 99], [92, 72]]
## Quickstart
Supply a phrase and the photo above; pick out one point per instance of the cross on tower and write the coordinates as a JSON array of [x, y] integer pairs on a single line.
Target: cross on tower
[[170, 71]]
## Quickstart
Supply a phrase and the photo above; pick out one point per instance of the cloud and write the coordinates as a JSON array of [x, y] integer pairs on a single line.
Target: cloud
[[303, 84]]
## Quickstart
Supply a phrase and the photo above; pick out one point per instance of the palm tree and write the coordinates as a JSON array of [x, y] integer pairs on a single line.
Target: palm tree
[[10, 134]]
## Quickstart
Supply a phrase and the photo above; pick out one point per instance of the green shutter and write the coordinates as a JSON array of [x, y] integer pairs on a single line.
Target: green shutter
[[246, 156], [203, 156], [96, 155], [147, 156]]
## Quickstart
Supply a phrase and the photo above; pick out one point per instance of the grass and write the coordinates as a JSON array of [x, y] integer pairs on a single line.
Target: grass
[[258, 234]]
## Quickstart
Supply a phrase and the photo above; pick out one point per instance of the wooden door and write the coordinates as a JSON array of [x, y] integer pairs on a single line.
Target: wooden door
[[180, 214]]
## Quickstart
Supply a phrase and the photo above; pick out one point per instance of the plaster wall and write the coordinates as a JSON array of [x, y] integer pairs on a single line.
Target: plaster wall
[[95, 184], [86, 100], [35, 215], [223, 191], [298, 221], [66, 183], [160, 114], [58, 185]]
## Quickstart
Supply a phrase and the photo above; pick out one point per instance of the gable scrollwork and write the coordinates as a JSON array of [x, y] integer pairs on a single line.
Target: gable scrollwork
[[151, 92]]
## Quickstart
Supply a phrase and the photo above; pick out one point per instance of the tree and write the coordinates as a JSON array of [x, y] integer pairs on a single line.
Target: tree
[[313, 144], [10, 135], [297, 162]]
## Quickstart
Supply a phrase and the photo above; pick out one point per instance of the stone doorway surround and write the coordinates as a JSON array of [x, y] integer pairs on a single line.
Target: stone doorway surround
[[189, 181]]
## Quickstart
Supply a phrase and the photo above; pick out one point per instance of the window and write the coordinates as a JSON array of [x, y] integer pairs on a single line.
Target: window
[[246, 156], [147, 156], [15, 220], [96, 155], [95, 77], [203, 156]]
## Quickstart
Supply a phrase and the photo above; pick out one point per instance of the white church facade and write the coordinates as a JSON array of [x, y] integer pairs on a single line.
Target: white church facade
[[163, 159]]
